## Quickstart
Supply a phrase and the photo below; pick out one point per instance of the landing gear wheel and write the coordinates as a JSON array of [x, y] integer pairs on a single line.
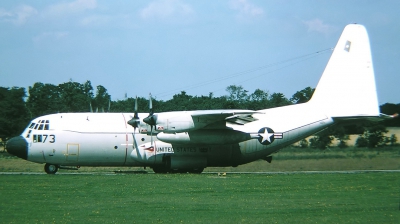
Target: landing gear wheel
[[197, 170], [160, 169], [50, 168]]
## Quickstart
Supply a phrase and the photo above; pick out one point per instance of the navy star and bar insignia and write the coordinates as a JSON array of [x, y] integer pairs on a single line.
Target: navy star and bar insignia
[[266, 136]]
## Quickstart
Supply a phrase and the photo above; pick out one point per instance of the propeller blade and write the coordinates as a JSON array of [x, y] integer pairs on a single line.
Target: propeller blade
[[135, 146], [135, 121], [136, 106], [151, 105]]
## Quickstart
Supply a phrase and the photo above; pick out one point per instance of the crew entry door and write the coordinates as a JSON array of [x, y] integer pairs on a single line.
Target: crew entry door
[[72, 152]]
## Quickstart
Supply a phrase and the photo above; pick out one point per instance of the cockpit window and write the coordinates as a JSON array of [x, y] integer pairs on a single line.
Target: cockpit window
[[29, 134], [41, 125]]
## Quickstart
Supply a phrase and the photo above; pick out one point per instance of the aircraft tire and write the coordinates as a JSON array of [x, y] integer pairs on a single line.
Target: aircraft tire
[[50, 168], [160, 170], [197, 171]]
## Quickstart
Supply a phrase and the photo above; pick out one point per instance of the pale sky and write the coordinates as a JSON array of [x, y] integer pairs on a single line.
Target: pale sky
[[165, 47]]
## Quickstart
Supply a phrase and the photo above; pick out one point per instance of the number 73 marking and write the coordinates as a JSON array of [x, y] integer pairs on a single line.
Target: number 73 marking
[[43, 138]]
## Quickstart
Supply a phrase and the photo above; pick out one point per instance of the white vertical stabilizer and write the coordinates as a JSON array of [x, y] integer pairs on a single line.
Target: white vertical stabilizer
[[347, 86]]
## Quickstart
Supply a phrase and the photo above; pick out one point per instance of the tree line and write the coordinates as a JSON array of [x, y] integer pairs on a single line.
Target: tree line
[[18, 107]]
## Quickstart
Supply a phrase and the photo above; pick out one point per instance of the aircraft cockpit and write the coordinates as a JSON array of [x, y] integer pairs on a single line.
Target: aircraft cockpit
[[39, 125]]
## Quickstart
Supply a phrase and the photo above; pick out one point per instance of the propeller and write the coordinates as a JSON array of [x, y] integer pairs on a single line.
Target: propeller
[[135, 120], [151, 119]]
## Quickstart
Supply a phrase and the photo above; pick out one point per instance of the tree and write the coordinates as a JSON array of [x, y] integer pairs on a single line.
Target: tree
[[278, 100], [258, 100], [373, 136], [303, 143], [43, 99], [76, 97], [102, 99], [339, 132], [321, 141], [14, 116], [237, 93], [128, 105], [259, 95], [393, 140], [303, 95]]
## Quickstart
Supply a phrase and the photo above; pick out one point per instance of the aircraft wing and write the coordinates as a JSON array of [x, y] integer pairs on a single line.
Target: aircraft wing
[[175, 122]]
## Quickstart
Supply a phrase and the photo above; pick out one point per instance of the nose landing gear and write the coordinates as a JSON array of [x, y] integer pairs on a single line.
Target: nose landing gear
[[50, 168]]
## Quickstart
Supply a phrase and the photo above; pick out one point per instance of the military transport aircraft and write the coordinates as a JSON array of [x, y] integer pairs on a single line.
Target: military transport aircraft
[[189, 141]]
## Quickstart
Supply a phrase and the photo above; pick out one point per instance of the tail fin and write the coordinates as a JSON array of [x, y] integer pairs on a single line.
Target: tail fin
[[347, 86]]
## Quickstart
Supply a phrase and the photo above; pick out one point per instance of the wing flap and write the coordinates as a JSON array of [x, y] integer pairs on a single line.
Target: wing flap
[[241, 119]]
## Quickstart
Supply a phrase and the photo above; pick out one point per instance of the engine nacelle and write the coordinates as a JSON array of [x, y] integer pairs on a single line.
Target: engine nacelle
[[215, 137], [173, 122]]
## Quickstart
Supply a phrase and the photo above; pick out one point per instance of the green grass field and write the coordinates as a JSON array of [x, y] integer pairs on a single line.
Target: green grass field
[[106, 197], [205, 198]]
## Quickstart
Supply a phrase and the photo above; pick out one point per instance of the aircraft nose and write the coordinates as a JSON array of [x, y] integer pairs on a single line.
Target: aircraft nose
[[18, 146]]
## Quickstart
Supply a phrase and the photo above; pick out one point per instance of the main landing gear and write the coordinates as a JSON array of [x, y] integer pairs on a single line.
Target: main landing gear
[[52, 168]]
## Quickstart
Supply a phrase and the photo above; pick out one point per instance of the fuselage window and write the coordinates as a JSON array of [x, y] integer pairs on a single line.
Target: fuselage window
[[46, 127], [32, 125], [40, 127], [36, 126]]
